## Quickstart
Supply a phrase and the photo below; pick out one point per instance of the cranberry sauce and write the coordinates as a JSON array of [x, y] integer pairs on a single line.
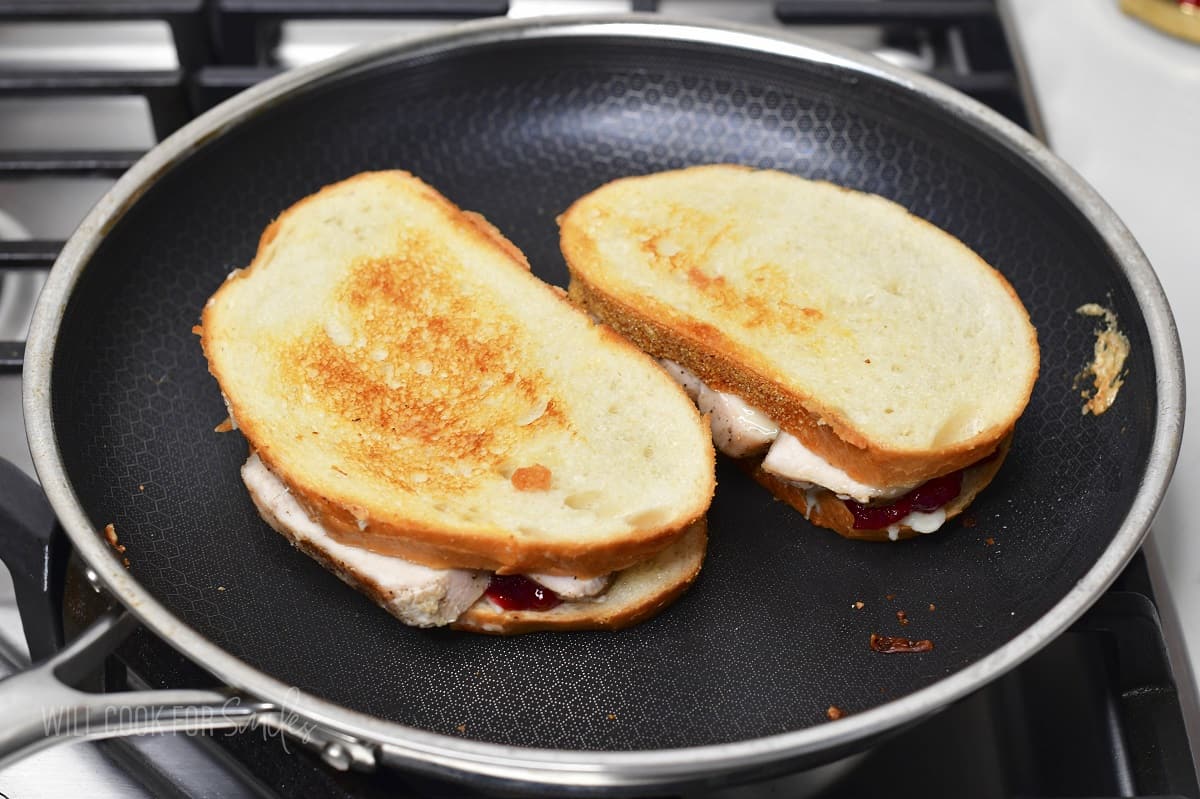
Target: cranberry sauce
[[925, 498], [516, 592]]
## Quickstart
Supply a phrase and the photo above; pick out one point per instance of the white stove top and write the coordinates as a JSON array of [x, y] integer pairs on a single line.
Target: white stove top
[[1120, 103]]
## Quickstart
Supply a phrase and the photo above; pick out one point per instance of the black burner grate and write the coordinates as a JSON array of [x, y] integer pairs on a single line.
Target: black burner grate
[[223, 48]]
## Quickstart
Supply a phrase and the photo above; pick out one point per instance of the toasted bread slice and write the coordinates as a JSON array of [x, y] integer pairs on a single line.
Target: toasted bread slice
[[884, 344], [422, 394], [636, 594]]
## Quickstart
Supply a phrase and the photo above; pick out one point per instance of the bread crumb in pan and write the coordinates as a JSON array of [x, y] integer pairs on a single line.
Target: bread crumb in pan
[[833, 713], [110, 534], [891, 645], [902, 617], [1107, 368], [859, 605]]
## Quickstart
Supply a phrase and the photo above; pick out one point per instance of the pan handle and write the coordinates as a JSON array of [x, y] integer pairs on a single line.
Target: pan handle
[[34, 550], [41, 708]]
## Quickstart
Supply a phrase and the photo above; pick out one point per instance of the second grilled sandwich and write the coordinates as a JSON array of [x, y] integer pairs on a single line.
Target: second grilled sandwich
[[866, 365]]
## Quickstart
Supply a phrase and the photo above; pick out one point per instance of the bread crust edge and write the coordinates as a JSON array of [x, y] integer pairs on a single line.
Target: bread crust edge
[[715, 359], [482, 617], [485, 548]]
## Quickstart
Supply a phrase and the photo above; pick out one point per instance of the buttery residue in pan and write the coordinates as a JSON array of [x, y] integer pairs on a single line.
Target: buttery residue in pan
[[1107, 369]]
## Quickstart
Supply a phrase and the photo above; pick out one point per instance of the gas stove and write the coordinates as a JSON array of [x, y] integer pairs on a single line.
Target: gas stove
[[85, 89]]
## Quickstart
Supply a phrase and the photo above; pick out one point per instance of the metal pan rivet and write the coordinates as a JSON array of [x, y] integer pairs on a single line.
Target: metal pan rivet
[[336, 755]]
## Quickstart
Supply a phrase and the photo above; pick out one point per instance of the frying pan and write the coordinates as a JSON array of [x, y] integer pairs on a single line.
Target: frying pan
[[516, 120]]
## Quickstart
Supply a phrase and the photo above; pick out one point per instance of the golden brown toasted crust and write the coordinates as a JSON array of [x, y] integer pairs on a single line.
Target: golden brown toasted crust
[[467, 551], [377, 293], [636, 595], [664, 332], [827, 510], [493, 232], [344, 572], [699, 348]]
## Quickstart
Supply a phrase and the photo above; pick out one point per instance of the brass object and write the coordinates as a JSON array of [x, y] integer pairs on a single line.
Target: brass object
[[1177, 17]]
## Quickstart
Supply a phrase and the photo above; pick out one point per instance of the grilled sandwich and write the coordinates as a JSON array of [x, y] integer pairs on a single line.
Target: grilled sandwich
[[445, 431], [866, 366]]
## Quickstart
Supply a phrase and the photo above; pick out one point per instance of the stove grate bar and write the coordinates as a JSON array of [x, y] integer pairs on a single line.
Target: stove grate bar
[[928, 12], [12, 357], [244, 28], [162, 89], [43, 163], [28, 254], [22, 256], [186, 18]]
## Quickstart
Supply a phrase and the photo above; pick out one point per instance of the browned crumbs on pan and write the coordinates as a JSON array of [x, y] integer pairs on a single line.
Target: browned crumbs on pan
[[833, 713], [859, 605], [141, 486], [110, 535], [890, 597], [989, 542], [461, 728], [932, 606], [197, 330], [902, 617], [531, 478], [968, 520], [225, 426], [890, 644], [612, 716]]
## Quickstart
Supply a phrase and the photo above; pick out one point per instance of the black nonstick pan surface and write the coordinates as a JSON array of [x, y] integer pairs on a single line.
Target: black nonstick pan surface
[[517, 128]]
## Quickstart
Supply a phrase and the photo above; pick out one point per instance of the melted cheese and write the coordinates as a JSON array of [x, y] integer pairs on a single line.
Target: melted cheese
[[738, 428], [796, 463], [569, 588], [920, 522]]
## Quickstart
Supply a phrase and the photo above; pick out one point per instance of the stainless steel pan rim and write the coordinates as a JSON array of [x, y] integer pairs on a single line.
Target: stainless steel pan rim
[[439, 754]]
